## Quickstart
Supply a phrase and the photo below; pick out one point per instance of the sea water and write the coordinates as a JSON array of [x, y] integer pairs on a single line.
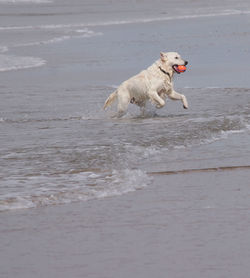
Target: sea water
[[60, 61]]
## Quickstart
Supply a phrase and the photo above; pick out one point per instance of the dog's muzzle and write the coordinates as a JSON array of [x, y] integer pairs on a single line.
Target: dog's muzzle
[[175, 67]]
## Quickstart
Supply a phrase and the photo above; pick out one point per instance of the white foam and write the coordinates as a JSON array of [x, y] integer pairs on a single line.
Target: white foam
[[142, 151], [147, 20], [225, 134], [25, 1], [11, 62], [87, 34], [82, 186], [168, 18], [3, 49], [132, 21], [10, 28], [248, 126], [181, 147]]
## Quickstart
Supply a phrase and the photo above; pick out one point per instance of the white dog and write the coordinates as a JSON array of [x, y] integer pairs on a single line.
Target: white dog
[[154, 84]]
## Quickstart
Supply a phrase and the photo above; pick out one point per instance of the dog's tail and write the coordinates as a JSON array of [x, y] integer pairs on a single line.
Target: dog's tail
[[110, 99]]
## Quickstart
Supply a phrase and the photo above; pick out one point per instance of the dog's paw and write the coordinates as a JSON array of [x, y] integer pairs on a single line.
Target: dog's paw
[[185, 107]]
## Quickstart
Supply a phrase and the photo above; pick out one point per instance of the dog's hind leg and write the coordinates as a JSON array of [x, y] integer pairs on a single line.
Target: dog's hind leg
[[123, 102]]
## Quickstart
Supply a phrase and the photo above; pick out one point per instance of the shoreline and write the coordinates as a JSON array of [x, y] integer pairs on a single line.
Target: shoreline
[[201, 170], [142, 232]]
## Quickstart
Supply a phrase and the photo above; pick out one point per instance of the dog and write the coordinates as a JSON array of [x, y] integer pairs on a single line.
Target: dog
[[154, 84]]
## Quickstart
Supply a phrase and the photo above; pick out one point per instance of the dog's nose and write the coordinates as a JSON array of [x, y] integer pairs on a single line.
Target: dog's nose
[[186, 62]]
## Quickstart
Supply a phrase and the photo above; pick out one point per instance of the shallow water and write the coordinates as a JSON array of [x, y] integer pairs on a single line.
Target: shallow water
[[53, 157], [58, 146]]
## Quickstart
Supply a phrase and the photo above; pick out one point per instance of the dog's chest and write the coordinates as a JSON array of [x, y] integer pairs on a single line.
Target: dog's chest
[[165, 86]]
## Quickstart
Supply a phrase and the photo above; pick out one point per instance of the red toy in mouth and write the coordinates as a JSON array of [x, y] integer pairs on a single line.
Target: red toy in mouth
[[179, 69]]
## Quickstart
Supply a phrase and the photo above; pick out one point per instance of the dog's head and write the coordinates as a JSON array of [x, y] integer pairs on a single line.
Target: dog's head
[[171, 60]]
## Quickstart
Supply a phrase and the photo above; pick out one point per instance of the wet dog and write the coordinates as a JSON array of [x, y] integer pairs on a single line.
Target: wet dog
[[154, 84]]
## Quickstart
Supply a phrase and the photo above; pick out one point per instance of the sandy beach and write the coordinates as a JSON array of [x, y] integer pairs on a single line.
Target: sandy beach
[[86, 195], [184, 225]]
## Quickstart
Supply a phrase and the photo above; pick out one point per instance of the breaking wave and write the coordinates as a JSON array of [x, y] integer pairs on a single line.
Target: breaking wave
[[122, 22], [25, 1], [80, 185], [12, 62]]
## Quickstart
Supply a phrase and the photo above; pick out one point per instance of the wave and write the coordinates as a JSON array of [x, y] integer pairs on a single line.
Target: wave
[[90, 185], [160, 147], [132, 21], [47, 120], [3, 49], [7, 28], [93, 184], [212, 129], [87, 34], [201, 170], [24, 1], [11, 62], [168, 18]]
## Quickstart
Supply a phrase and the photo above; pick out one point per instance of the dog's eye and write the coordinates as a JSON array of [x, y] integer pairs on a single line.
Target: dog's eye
[[176, 57]]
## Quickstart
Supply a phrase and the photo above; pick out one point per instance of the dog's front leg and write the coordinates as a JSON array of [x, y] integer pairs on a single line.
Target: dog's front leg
[[176, 96], [155, 98]]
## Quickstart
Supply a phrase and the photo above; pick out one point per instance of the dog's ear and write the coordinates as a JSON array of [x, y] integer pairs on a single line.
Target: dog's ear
[[163, 57]]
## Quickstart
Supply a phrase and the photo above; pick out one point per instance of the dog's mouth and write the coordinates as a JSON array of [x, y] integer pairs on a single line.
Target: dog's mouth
[[176, 69]]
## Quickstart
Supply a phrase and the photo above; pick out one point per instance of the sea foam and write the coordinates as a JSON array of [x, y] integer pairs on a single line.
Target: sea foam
[[24, 1], [130, 21], [77, 186], [11, 62]]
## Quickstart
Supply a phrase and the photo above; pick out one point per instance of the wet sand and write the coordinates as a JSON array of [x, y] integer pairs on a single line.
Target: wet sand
[[182, 225]]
